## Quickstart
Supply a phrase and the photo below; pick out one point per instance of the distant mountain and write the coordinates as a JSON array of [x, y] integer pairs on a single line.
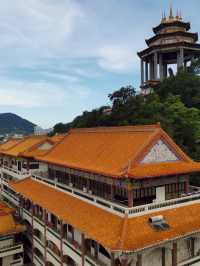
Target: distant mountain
[[14, 124]]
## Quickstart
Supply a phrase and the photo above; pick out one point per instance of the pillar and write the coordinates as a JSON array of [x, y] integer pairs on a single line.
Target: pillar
[[142, 72], [139, 260], [192, 246], [61, 242], [151, 69], [112, 191], [83, 248], [181, 57], [32, 213], [174, 254], [161, 66], [155, 65], [146, 71], [130, 195], [45, 235], [112, 259], [187, 185], [163, 257]]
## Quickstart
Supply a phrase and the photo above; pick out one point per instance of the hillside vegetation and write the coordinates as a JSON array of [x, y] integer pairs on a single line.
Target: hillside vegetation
[[175, 103]]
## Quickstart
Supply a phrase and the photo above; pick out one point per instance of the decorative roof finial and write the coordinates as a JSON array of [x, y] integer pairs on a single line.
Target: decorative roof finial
[[180, 15], [177, 14], [171, 12]]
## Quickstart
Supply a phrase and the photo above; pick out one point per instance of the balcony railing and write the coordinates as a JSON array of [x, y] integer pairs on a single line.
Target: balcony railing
[[11, 250], [12, 198], [22, 173], [17, 262], [117, 208]]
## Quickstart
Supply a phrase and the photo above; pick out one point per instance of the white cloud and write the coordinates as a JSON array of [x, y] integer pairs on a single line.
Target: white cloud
[[116, 58], [38, 94]]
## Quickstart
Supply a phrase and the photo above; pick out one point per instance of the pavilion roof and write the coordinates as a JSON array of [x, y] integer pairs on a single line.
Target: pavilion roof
[[112, 231]]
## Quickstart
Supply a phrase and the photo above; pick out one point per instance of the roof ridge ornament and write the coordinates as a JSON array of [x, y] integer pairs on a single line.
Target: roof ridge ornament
[[171, 12]]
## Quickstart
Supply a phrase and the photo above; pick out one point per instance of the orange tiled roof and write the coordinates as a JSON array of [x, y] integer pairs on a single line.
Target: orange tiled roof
[[38, 149], [58, 137], [7, 222], [112, 231], [9, 144], [163, 169], [24, 145], [108, 151]]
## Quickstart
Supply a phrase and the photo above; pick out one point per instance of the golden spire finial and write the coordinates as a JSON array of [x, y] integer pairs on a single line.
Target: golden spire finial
[[180, 15], [177, 14], [171, 12]]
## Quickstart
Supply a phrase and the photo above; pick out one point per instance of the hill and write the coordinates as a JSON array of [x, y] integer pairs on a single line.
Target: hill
[[174, 103], [14, 124]]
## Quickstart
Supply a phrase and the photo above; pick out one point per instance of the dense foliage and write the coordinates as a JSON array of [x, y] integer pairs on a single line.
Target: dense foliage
[[175, 103]]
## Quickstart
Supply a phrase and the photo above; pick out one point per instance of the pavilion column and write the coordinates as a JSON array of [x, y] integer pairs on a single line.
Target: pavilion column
[[139, 260], [174, 254], [163, 257], [146, 71], [130, 195], [155, 65], [151, 69], [28, 165], [112, 191], [181, 57], [142, 71], [161, 66], [187, 185]]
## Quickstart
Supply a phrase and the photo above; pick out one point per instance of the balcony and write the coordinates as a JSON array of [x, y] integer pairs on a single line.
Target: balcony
[[11, 250], [14, 172], [17, 262], [10, 197], [117, 208]]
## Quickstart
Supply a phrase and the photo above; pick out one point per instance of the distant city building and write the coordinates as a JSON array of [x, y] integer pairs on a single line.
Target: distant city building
[[171, 44], [107, 111], [40, 131]]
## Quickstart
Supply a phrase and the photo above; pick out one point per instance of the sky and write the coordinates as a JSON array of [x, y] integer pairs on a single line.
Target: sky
[[59, 58]]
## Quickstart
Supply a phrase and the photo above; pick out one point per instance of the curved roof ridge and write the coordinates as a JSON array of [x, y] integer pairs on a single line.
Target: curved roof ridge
[[117, 128]]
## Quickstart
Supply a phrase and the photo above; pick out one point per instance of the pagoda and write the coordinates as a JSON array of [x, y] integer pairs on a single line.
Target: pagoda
[[172, 44]]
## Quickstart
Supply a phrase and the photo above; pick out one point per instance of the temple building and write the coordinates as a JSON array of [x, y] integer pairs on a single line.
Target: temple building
[[11, 241], [104, 197], [172, 44]]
